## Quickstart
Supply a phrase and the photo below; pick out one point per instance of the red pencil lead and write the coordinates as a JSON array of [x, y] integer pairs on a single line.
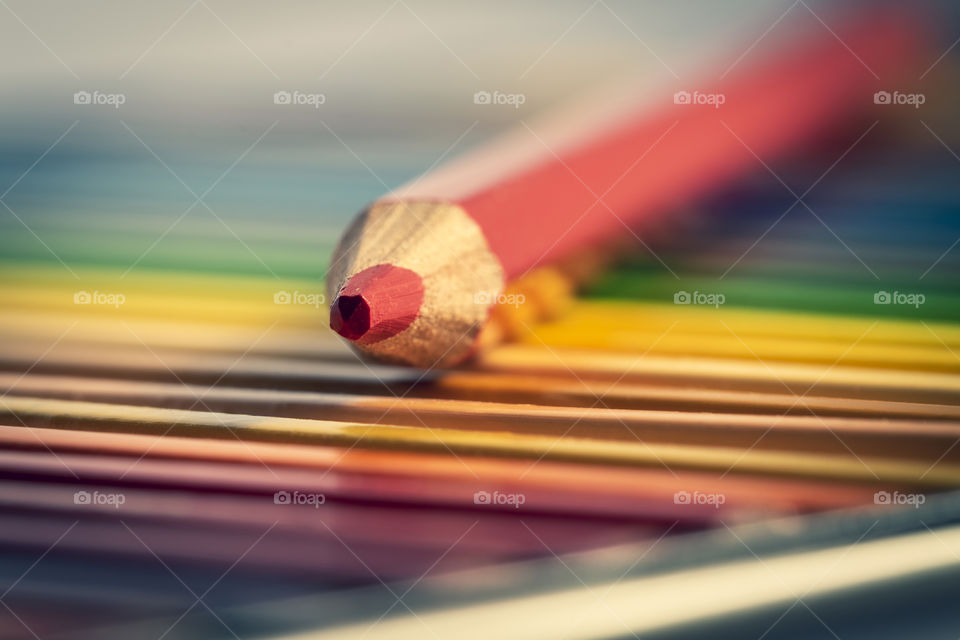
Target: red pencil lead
[[377, 303]]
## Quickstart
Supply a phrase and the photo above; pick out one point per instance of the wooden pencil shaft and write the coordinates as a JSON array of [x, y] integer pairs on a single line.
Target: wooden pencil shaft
[[935, 358], [629, 317], [877, 437], [702, 397], [132, 419], [153, 491], [569, 392], [587, 489], [626, 486], [799, 378], [555, 386], [561, 367], [167, 486], [407, 516]]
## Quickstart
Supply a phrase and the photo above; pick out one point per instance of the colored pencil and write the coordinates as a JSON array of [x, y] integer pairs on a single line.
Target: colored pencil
[[440, 479], [509, 371], [415, 275], [879, 435], [67, 414]]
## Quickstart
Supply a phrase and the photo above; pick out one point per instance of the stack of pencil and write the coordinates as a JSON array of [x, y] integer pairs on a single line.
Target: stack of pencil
[[200, 399], [183, 441]]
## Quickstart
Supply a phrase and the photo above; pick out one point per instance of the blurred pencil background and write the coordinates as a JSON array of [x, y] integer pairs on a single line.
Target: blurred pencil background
[[764, 384]]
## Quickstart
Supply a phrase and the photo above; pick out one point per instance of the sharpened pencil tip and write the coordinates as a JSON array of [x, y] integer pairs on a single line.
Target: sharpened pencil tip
[[350, 316], [377, 303]]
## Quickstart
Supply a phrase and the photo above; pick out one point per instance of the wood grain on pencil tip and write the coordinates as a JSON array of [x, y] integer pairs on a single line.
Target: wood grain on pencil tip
[[410, 282]]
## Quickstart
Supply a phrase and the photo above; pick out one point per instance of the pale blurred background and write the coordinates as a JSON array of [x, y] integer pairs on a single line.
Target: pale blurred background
[[198, 80], [397, 80]]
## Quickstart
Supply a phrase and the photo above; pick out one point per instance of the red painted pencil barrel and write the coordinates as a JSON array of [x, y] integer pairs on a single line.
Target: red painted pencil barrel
[[662, 159]]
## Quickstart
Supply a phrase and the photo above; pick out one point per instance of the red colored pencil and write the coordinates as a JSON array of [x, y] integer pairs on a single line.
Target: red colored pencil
[[416, 273]]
